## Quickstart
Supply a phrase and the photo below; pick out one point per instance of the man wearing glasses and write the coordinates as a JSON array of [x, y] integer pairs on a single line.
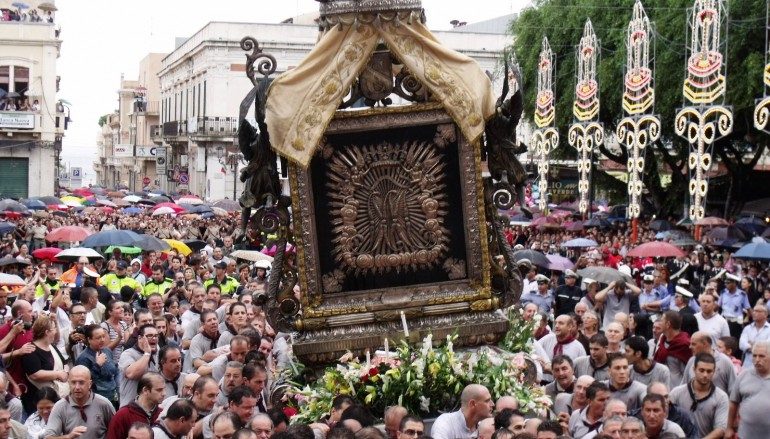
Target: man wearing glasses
[[137, 361], [83, 414], [411, 427]]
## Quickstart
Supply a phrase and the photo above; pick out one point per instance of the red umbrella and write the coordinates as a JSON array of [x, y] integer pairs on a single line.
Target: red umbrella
[[656, 249], [11, 215], [47, 253], [543, 220], [83, 192], [68, 234], [177, 208], [107, 209]]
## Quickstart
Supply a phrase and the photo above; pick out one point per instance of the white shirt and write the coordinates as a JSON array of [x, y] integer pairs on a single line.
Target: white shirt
[[749, 336], [716, 325], [451, 426]]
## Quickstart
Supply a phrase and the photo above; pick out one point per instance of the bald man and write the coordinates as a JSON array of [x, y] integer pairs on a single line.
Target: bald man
[[476, 404], [393, 417], [506, 402], [724, 376], [84, 414]]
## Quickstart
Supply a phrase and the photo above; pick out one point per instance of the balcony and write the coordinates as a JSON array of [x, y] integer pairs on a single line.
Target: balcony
[[215, 126], [171, 129], [146, 108]]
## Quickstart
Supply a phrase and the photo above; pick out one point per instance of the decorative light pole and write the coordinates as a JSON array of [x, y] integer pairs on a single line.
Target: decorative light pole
[[640, 127], [705, 118], [586, 133], [546, 137], [762, 108]]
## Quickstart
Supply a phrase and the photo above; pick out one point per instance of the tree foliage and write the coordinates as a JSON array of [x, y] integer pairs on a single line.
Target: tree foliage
[[562, 22]]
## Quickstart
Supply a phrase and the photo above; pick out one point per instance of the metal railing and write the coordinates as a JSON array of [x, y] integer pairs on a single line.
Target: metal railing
[[217, 126]]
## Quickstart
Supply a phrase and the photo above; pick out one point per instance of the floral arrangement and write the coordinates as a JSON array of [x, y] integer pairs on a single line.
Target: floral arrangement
[[426, 381], [521, 332]]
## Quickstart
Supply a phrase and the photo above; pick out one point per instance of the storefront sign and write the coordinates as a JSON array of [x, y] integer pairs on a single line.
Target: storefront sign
[[12, 119]]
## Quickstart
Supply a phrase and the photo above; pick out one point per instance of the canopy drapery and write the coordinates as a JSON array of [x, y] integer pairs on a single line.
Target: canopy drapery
[[301, 102]]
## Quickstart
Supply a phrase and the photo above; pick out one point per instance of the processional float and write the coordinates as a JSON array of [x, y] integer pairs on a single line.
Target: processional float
[[396, 231]]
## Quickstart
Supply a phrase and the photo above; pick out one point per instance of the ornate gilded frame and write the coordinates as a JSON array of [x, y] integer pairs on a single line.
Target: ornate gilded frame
[[329, 310]]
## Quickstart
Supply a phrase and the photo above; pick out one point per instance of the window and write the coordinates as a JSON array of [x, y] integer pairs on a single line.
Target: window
[[20, 79], [5, 78], [14, 79]]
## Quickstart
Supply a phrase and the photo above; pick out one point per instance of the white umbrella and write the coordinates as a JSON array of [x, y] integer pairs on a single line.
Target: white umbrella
[[189, 200], [72, 203], [165, 210], [11, 280], [72, 254], [132, 198], [251, 255]]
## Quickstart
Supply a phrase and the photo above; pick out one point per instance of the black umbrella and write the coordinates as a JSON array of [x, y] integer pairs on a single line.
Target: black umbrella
[[151, 243], [9, 205], [161, 199], [195, 244], [661, 225], [49, 200], [731, 232], [597, 222], [534, 256], [146, 202]]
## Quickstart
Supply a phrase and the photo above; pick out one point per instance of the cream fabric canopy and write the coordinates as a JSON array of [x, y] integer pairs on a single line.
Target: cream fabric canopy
[[302, 101]]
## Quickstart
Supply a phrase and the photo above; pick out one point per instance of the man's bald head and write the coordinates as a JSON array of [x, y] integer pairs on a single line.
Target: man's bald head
[[80, 372], [506, 402], [472, 392], [83, 260]]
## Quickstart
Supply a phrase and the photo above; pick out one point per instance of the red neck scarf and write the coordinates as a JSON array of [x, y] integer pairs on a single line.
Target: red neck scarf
[[559, 348]]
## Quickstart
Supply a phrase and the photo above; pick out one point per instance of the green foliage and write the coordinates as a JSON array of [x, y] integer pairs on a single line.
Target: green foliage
[[103, 120], [562, 22]]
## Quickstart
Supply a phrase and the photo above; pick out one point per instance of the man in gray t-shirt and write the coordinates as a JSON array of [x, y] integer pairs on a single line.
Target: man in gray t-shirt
[[749, 397], [622, 387], [707, 403], [724, 377], [137, 361], [616, 298]]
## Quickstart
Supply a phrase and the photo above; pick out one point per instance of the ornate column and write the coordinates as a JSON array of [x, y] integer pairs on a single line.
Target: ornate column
[[586, 132], [705, 118], [762, 108]]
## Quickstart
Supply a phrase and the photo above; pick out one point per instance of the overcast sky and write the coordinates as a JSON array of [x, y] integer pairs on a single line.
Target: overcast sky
[[101, 40]]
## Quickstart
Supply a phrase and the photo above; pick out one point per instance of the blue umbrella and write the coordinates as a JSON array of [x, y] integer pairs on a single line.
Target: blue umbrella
[[598, 223], [34, 204], [6, 227], [198, 209], [112, 237], [132, 210], [758, 249], [580, 242], [20, 5]]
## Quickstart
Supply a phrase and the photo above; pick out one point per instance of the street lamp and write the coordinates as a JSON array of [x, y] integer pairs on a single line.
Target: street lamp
[[231, 160]]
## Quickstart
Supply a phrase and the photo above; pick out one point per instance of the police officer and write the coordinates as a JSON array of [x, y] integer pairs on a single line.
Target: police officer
[[227, 284], [158, 283], [115, 281], [567, 295]]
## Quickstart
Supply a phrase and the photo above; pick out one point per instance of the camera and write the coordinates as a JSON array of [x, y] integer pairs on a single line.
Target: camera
[[79, 330], [180, 284], [27, 325]]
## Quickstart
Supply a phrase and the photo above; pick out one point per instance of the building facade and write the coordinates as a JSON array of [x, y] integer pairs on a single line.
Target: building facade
[[32, 119], [127, 154], [203, 83]]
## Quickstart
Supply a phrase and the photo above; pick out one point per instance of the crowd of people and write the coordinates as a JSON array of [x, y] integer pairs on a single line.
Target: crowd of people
[[18, 104], [32, 16], [169, 345]]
